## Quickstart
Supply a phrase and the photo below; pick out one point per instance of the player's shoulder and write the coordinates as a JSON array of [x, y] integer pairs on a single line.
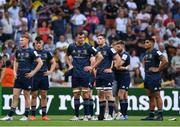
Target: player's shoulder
[[126, 53]]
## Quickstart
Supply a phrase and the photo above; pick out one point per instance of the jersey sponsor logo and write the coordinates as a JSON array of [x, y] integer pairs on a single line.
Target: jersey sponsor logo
[[104, 53], [113, 50], [94, 49], [159, 53], [35, 53], [124, 56]]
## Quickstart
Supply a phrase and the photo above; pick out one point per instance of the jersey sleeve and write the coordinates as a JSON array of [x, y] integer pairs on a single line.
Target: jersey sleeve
[[124, 57], [112, 52], [158, 54], [34, 55], [69, 50], [49, 56], [93, 50], [16, 54]]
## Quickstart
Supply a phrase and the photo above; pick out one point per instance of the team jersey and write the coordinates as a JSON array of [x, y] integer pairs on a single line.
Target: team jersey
[[126, 58], [152, 59], [46, 57], [80, 58], [25, 59], [108, 54]]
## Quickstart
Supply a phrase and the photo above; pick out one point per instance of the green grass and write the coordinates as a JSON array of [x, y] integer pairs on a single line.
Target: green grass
[[64, 121]]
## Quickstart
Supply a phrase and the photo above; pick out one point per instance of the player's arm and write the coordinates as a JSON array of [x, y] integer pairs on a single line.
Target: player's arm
[[2, 74], [98, 59], [15, 67], [36, 69], [118, 62], [53, 65], [68, 58], [164, 63]]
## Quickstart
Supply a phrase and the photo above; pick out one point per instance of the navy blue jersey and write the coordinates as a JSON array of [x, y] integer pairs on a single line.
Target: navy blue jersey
[[152, 59], [46, 57], [81, 57], [25, 59], [108, 54], [126, 58]]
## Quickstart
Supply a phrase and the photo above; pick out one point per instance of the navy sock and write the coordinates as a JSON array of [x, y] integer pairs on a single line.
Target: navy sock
[[126, 106], [151, 113], [160, 112], [86, 106], [111, 107], [122, 105], [102, 105], [76, 107], [33, 110], [11, 112], [27, 110], [43, 110], [91, 104]]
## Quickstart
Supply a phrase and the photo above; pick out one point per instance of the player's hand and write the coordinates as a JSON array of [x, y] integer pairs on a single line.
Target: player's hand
[[15, 75], [70, 67], [30, 74], [154, 69], [47, 73], [88, 68], [108, 70]]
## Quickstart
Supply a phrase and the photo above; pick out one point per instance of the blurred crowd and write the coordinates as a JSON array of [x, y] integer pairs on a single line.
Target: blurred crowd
[[57, 22]]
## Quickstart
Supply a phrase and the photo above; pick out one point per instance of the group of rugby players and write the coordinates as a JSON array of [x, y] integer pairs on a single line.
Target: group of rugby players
[[87, 66]]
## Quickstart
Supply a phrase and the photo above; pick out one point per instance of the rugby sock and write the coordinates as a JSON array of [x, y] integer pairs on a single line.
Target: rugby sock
[[151, 113], [91, 103], [102, 105], [43, 110], [126, 106], [33, 110], [76, 107], [122, 105], [26, 112], [86, 106], [111, 107], [11, 112], [160, 112]]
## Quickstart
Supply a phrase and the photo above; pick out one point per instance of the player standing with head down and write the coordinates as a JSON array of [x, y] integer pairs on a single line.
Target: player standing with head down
[[24, 71], [122, 77], [78, 59], [105, 77], [40, 80], [154, 63]]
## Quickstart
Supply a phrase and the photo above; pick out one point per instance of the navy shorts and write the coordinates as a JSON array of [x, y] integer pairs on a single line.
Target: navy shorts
[[22, 82], [153, 82], [123, 81], [80, 82], [104, 84], [40, 82]]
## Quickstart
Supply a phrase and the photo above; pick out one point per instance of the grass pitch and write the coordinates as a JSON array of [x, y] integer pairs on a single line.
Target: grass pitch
[[63, 120]]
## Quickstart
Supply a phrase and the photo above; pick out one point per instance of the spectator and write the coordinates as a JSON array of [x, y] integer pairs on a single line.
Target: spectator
[[56, 78], [49, 45], [175, 65], [21, 25], [62, 45], [121, 25], [111, 13], [44, 31], [174, 41], [7, 75], [58, 27], [78, 21], [92, 21], [14, 10], [8, 25]]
